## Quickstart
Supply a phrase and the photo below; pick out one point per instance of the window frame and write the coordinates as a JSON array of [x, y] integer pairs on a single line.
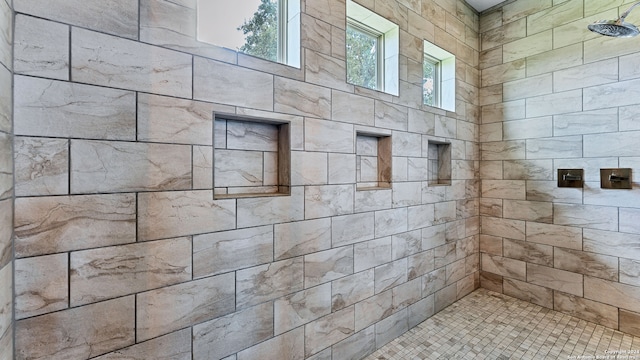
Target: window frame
[[445, 84], [437, 76], [379, 37]]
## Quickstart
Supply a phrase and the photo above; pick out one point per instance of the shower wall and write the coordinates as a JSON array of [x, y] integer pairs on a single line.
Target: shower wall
[[6, 182], [555, 95], [121, 249]]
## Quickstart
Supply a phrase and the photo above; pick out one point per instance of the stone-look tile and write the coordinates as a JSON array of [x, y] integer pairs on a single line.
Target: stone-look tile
[[611, 243], [531, 45], [202, 167], [350, 229], [587, 263], [100, 166], [342, 168], [608, 95], [555, 16], [513, 229], [373, 309], [42, 285], [528, 292], [445, 297], [627, 117], [297, 309], [174, 307], [504, 34], [420, 264], [391, 116], [174, 346], [555, 235], [391, 327], [612, 293], [79, 333], [629, 271], [41, 166], [548, 148], [352, 289], [229, 334], [556, 279], [528, 87], [180, 213], [249, 135], [582, 308], [45, 225], [288, 346], [510, 71], [239, 168], [588, 216], [111, 16], [6, 166], [231, 250], [316, 34], [301, 238], [491, 282], [391, 222], [529, 252], [322, 135], [269, 210], [173, 25], [6, 231], [403, 245], [491, 207], [356, 346], [328, 265], [510, 268], [100, 274], [6, 99], [594, 195], [308, 168], [445, 254], [170, 120], [325, 70], [329, 330], [455, 271], [541, 212], [491, 244], [601, 72], [390, 274], [557, 59], [406, 194], [350, 108], [329, 200], [6, 312], [528, 169], [433, 281], [110, 61], [299, 98], [369, 254], [504, 189], [63, 109], [629, 322], [372, 200], [538, 127], [420, 311], [628, 220], [211, 75], [420, 216], [586, 122], [268, 282], [41, 48], [6, 34]]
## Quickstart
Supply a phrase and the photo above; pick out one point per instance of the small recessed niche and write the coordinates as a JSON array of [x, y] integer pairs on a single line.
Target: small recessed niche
[[439, 163], [373, 161], [251, 157]]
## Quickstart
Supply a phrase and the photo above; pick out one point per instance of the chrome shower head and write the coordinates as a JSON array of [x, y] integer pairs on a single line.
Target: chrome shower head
[[616, 28]]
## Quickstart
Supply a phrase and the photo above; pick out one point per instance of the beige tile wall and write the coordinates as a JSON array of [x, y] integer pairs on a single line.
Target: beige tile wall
[[7, 183], [121, 248], [554, 95]]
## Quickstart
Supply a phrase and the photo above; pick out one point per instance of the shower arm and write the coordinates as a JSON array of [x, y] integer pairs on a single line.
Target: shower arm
[[626, 13]]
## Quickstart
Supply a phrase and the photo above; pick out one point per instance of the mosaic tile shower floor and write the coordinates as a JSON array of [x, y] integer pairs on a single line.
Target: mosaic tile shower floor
[[488, 325]]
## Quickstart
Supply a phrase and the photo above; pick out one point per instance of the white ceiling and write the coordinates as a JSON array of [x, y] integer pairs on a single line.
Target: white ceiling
[[481, 5]]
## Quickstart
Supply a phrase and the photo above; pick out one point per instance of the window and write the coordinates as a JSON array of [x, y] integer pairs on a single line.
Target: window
[[439, 78], [269, 29], [372, 50]]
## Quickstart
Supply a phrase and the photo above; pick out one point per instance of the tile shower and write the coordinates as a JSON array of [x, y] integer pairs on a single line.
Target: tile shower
[[118, 246]]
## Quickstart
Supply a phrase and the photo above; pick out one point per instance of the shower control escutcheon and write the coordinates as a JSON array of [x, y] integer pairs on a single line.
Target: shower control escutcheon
[[573, 178], [615, 178]]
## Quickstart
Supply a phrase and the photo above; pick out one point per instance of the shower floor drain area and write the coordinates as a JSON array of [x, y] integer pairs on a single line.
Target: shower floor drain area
[[487, 325]]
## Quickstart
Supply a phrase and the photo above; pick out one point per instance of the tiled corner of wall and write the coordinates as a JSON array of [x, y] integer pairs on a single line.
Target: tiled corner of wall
[[555, 95]]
